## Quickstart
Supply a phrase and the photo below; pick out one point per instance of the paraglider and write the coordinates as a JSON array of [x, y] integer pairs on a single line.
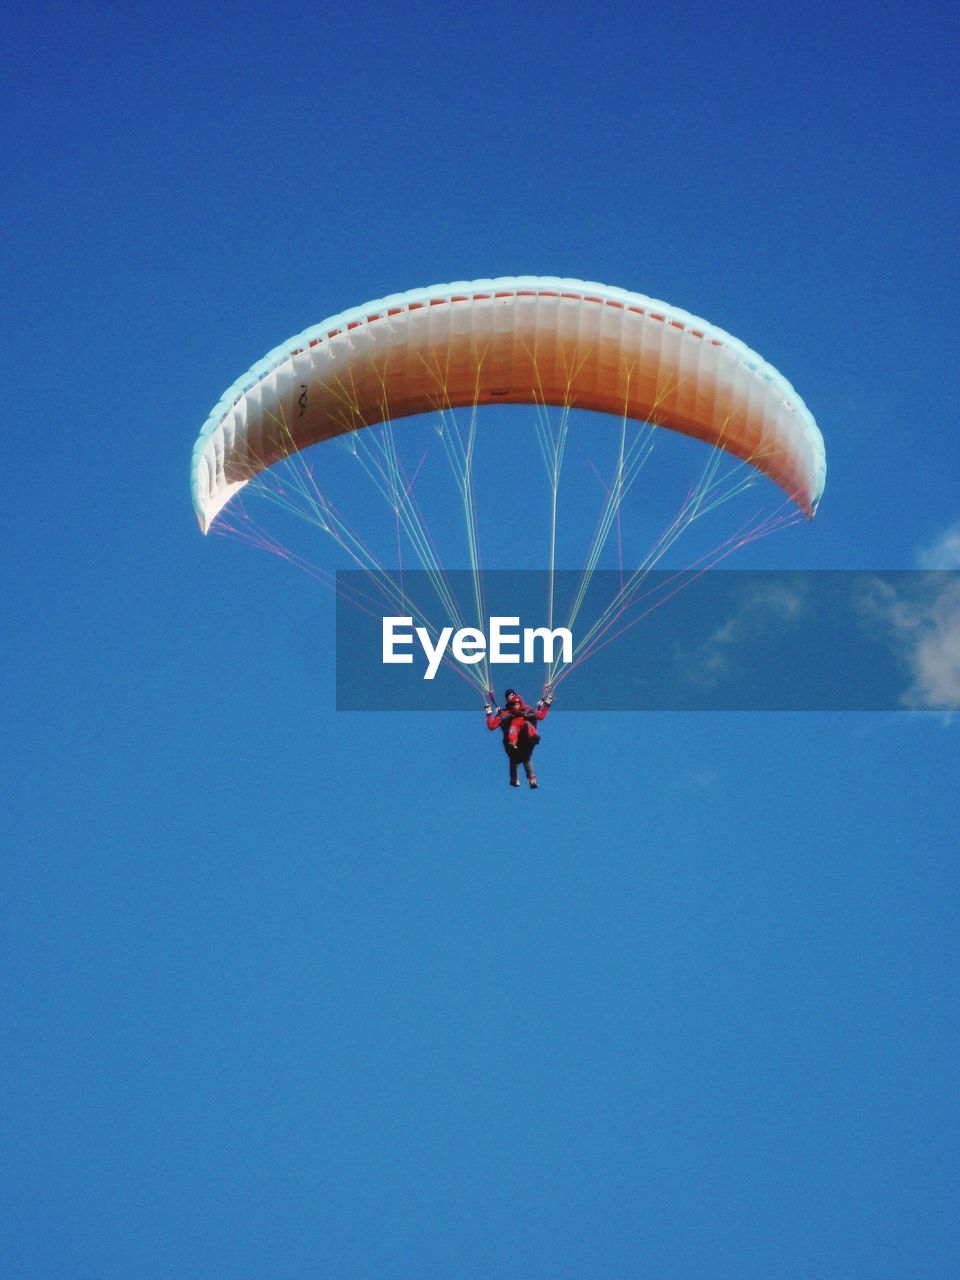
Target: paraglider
[[518, 723], [537, 340], [573, 345]]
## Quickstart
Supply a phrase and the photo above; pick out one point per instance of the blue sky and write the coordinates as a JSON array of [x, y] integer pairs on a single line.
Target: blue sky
[[292, 993]]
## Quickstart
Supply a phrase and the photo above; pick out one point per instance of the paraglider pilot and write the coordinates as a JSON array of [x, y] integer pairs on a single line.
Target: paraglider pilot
[[518, 724]]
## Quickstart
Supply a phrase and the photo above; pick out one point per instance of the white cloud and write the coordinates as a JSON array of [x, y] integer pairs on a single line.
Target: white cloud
[[943, 552], [706, 780], [767, 604], [925, 624]]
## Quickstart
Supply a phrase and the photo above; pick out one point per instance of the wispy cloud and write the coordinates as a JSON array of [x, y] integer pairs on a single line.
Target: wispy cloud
[[706, 779], [768, 605], [924, 623], [943, 552]]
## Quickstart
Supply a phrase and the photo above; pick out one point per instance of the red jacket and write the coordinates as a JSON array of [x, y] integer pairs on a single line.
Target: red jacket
[[507, 718]]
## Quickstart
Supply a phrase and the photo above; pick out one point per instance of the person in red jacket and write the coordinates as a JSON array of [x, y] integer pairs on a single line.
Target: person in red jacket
[[518, 724]]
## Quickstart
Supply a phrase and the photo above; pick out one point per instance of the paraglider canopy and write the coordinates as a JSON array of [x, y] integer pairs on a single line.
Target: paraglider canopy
[[522, 340]]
